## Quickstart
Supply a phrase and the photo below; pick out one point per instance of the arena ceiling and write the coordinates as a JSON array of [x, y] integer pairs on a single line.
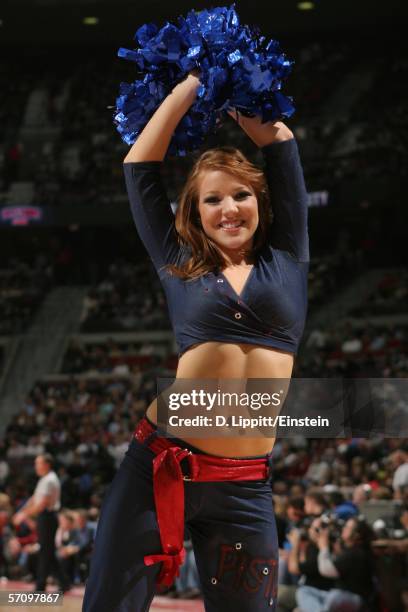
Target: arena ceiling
[[57, 21]]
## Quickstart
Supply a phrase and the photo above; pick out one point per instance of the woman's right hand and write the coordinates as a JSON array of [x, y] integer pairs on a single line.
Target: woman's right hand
[[195, 72], [190, 84], [153, 142]]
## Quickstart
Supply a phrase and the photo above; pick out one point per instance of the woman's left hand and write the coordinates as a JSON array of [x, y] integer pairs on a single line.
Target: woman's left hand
[[260, 133], [293, 536], [323, 538]]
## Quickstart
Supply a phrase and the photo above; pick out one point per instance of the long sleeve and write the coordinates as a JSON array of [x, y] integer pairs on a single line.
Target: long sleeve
[[283, 170], [151, 211], [326, 565]]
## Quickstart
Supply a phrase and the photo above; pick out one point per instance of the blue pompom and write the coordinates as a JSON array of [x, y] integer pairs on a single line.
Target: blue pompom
[[239, 69]]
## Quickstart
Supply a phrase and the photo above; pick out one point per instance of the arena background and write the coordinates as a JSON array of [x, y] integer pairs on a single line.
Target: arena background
[[84, 331]]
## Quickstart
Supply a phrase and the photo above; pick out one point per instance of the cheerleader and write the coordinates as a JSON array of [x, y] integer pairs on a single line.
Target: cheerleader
[[236, 286]]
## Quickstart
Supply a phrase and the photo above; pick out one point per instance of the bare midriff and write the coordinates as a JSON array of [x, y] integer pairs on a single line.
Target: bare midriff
[[218, 360]]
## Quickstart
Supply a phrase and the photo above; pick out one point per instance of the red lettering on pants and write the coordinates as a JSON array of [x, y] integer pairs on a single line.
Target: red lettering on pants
[[246, 571]]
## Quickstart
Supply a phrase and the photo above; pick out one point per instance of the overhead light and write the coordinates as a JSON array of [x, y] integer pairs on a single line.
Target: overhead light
[[90, 20], [305, 6]]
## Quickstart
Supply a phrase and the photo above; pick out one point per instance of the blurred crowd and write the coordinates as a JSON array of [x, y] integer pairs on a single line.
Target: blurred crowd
[[77, 161], [340, 351], [366, 351], [389, 297], [73, 543], [87, 427], [329, 274], [116, 358], [129, 297], [364, 131], [23, 285], [342, 517], [322, 489]]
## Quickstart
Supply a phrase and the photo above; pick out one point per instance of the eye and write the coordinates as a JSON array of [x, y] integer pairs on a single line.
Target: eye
[[243, 195], [211, 200]]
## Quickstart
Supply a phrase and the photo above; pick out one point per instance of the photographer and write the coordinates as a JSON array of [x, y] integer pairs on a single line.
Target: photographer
[[302, 562], [349, 563]]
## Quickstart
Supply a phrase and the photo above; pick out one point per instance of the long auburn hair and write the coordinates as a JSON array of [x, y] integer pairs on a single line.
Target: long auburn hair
[[206, 256]]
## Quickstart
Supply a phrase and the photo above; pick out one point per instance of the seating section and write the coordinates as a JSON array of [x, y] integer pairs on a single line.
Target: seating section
[[23, 285], [390, 297], [76, 161], [129, 298]]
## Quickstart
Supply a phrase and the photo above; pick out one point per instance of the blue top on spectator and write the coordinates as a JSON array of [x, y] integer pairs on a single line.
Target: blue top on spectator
[[271, 308]]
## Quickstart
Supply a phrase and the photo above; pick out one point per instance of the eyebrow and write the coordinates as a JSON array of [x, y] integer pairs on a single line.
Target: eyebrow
[[241, 187]]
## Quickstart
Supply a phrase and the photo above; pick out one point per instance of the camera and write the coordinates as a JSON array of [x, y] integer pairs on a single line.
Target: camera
[[304, 529], [331, 521]]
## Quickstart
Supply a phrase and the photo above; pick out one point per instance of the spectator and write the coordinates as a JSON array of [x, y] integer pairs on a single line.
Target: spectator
[[341, 507], [303, 563], [350, 564], [399, 460], [65, 543], [84, 534], [4, 470], [361, 494], [315, 503]]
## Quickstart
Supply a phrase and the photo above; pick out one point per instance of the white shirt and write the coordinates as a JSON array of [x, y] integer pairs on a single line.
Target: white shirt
[[4, 471], [400, 477], [49, 485], [117, 451]]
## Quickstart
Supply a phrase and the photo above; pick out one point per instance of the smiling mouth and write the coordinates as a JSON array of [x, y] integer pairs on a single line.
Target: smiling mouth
[[230, 226]]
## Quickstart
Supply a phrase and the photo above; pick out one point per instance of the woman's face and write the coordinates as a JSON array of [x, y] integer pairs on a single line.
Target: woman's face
[[347, 534], [228, 210], [314, 529]]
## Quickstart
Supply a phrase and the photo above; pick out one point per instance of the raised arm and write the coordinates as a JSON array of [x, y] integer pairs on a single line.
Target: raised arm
[[154, 140], [287, 189], [260, 133], [149, 203]]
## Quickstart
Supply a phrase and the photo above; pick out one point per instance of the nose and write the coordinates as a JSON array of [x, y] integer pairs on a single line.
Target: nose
[[230, 207]]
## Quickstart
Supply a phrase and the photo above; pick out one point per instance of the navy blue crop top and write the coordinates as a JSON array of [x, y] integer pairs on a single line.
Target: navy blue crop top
[[271, 309]]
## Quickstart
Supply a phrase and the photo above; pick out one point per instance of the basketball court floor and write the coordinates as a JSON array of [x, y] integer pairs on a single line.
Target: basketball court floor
[[73, 602]]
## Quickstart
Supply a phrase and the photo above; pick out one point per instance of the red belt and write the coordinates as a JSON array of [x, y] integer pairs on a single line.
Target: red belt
[[168, 488]]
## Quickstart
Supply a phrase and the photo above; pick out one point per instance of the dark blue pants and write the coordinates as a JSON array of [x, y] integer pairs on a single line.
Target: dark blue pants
[[232, 526]]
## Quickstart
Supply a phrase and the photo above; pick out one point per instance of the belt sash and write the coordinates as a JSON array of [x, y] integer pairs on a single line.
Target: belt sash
[[168, 489]]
